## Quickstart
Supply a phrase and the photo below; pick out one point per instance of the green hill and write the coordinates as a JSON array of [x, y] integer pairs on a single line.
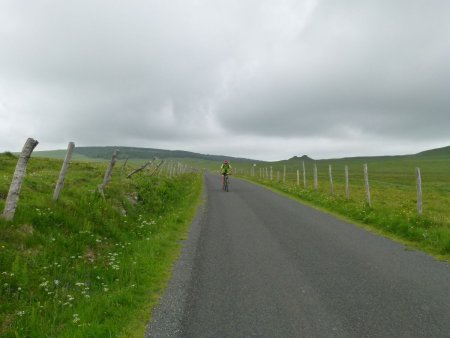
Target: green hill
[[438, 152], [133, 153], [208, 160]]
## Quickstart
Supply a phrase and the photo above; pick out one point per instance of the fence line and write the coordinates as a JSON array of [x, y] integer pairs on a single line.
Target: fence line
[[293, 177], [24, 157], [177, 168]]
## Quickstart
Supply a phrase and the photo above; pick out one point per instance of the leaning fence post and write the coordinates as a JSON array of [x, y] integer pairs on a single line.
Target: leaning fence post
[[160, 171], [316, 183], [347, 190], [331, 179], [19, 175], [125, 163], [108, 172], [419, 191], [366, 180], [63, 172], [157, 169]]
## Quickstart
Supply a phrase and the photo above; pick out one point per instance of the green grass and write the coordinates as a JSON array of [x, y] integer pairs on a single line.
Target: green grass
[[61, 154], [88, 266], [393, 209]]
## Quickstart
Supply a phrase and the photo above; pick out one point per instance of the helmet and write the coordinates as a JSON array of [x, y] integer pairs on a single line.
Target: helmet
[[225, 162]]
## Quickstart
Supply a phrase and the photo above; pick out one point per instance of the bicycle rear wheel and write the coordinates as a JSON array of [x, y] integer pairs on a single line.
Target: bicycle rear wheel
[[225, 183]]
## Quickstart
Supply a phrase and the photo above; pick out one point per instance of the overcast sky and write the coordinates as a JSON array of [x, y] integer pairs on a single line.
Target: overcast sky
[[253, 78]]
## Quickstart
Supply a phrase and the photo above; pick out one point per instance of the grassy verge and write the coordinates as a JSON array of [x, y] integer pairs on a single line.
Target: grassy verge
[[426, 232], [88, 266]]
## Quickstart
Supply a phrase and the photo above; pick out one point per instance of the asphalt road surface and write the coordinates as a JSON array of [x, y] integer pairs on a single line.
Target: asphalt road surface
[[258, 264]]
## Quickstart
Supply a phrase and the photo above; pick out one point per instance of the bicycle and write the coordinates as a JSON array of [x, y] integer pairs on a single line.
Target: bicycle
[[225, 182]]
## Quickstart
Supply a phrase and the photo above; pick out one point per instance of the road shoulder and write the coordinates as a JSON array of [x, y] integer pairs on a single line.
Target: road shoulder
[[168, 315]]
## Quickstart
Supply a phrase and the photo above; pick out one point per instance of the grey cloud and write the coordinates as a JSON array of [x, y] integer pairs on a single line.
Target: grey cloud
[[192, 74], [376, 67]]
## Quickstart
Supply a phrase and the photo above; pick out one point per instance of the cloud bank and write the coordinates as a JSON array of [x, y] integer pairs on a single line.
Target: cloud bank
[[261, 79]]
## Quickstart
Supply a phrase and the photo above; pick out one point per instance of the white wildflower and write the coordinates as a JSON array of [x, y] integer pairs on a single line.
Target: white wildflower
[[76, 318]]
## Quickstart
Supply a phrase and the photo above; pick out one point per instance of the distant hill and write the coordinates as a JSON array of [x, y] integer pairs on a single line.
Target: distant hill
[[302, 158], [104, 153], [438, 152]]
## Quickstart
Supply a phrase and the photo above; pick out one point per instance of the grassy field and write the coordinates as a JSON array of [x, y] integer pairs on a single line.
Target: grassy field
[[392, 181], [88, 266]]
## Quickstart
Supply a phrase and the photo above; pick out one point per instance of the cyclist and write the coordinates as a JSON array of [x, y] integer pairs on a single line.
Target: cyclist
[[225, 169]]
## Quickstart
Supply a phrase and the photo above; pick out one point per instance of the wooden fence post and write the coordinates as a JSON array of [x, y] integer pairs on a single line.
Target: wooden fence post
[[160, 171], [108, 173], [278, 176], [419, 191], [304, 175], [366, 181], [316, 183], [347, 190], [125, 163], [19, 175], [298, 177], [157, 168], [331, 179], [271, 173], [284, 174], [63, 172]]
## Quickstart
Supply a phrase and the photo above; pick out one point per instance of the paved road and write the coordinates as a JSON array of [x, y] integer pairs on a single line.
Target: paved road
[[261, 265]]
